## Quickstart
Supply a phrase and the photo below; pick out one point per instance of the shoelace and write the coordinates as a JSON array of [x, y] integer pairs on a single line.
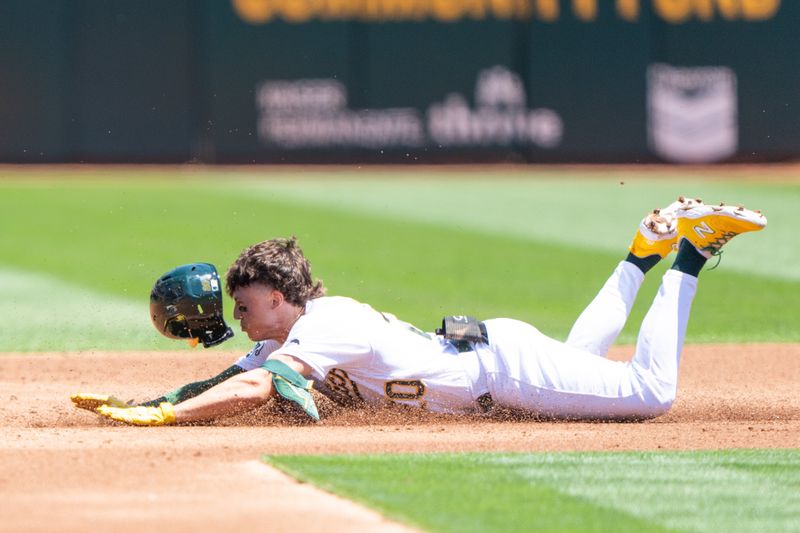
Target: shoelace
[[719, 242], [718, 254]]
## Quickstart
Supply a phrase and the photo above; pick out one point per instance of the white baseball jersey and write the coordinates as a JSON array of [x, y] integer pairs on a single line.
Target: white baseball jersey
[[358, 354], [361, 355]]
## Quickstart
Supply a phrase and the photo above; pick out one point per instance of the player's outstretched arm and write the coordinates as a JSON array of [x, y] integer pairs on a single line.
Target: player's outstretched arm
[[91, 401], [240, 393], [190, 390]]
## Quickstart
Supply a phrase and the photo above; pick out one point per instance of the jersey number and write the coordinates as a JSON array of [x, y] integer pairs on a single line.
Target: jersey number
[[403, 389], [343, 390]]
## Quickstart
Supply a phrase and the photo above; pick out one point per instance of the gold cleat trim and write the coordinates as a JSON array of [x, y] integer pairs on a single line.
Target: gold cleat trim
[[709, 228]]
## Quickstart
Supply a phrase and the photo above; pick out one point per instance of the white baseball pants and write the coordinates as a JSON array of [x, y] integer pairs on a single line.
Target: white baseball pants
[[528, 370]]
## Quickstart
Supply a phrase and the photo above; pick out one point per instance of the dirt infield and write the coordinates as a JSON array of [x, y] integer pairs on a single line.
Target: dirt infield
[[66, 469]]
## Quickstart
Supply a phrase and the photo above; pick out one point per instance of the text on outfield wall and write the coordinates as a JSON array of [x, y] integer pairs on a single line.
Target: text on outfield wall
[[671, 11]]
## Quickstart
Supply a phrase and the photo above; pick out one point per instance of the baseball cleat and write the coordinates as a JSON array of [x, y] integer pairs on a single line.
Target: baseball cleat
[[710, 227], [657, 233]]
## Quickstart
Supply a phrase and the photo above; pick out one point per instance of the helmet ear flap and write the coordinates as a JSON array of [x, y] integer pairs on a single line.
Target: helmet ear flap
[[186, 303], [216, 335]]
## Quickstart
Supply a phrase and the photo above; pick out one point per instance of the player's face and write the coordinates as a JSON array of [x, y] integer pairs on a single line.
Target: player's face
[[256, 308]]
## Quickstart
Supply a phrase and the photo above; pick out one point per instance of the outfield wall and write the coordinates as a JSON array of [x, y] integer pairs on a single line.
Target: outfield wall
[[242, 81]]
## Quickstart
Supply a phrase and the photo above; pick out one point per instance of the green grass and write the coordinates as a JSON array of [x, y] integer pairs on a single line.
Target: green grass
[[534, 246], [590, 212], [731, 491]]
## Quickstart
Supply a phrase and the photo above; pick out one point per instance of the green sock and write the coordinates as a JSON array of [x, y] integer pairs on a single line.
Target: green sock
[[689, 260], [644, 263]]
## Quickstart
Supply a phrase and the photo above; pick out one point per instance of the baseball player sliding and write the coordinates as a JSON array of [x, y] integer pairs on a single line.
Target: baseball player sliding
[[360, 356]]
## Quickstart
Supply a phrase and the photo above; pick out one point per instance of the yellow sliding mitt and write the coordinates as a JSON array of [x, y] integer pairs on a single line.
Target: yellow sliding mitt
[[91, 401], [139, 415]]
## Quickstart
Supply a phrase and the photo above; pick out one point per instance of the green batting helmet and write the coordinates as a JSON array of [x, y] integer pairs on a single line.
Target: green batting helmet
[[186, 303]]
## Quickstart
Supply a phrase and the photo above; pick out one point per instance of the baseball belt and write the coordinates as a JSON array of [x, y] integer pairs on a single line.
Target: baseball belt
[[463, 329]]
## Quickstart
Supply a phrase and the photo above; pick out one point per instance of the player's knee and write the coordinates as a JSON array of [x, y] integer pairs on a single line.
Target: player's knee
[[661, 401], [656, 395], [662, 407]]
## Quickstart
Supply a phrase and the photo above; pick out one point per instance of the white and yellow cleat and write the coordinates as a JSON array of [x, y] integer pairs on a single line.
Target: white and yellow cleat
[[658, 232], [710, 227]]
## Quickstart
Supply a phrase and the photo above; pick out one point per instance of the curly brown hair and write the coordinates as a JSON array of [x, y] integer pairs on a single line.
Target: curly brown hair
[[277, 263]]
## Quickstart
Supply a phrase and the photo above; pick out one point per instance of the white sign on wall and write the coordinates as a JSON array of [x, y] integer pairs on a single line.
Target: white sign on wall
[[692, 113], [313, 113], [500, 117]]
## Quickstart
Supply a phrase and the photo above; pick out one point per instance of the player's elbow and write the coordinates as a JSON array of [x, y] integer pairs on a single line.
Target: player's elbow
[[256, 385]]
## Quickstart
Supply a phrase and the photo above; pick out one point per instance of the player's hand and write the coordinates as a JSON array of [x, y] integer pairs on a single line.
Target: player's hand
[[139, 415], [91, 401]]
